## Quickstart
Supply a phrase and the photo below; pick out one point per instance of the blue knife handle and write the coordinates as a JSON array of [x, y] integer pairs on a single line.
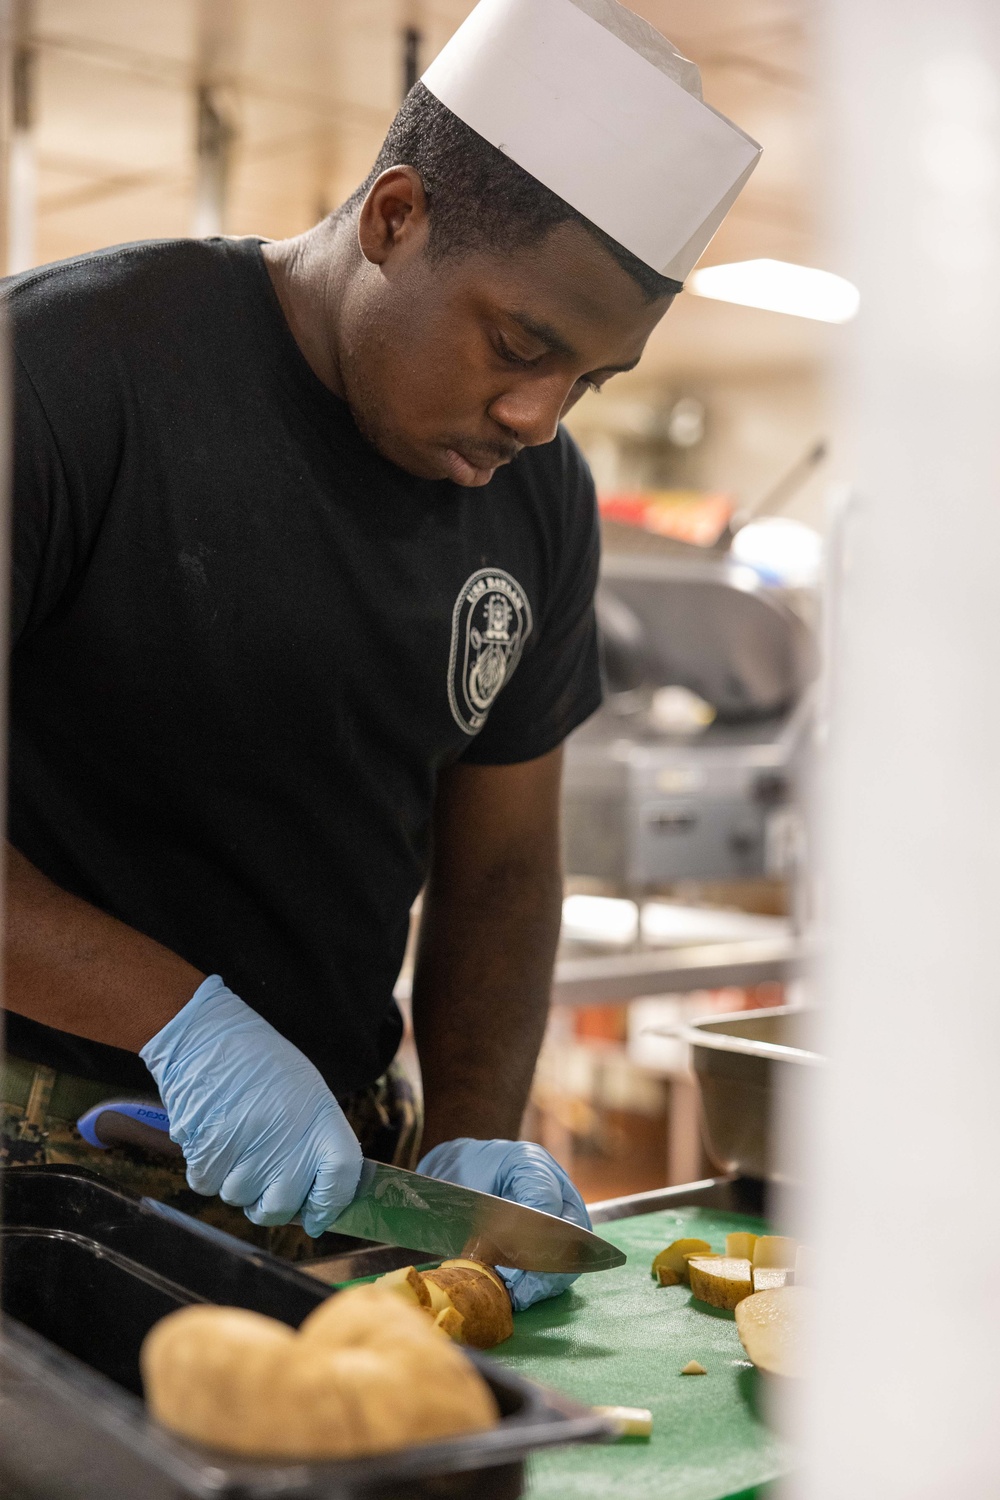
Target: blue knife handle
[[148, 1117]]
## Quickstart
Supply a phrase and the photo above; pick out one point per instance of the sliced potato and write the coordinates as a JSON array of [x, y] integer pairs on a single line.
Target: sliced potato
[[774, 1250], [666, 1277], [440, 1301], [408, 1283], [450, 1322], [740, 1246], [720, 1281], [631, 1421], [766, 1278], [771, 1325], [466, 1299], [673, 1257], [694, 1368], [476, 1292]]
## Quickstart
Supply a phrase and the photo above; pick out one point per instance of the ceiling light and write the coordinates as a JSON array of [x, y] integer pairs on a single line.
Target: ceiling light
[[778, 286]]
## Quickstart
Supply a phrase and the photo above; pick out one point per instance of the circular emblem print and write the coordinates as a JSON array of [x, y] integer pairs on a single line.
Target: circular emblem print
[[489, 626]]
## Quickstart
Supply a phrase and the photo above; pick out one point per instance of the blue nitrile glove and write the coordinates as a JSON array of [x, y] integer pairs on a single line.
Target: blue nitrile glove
[[254, 1118], [526, 1174]]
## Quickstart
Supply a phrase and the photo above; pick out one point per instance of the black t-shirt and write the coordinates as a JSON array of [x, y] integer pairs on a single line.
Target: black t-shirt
[[245, 644]]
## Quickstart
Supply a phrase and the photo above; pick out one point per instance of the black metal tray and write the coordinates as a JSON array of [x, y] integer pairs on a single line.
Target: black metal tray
[[88, 1269]]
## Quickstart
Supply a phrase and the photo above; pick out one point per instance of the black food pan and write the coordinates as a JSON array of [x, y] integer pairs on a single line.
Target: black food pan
[[88, 1269]]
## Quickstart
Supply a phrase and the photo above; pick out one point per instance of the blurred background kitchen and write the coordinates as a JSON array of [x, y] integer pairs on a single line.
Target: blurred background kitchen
[[685, 835]]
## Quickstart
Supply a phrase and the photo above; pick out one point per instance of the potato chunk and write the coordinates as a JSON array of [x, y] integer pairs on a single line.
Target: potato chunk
[[767, 1278], [722, 1281], [740, 1246], [673, 1258], [770, 1326], [631, 1421], [774, 1251], [407, 1283]]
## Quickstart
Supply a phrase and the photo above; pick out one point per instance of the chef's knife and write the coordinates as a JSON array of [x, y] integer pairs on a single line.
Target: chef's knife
[[447, 1221], [394, 1207]]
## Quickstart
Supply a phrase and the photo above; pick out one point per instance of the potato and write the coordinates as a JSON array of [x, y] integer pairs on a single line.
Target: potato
[[440, 1302], [631, 1421], [366, 1373], [672, 1258], [479, 1296], [408, 1283], [207, 1372], [720, 1281], [389, 1401], [767, 1278], [369, 1315], [770, 1326], [450, 1321], [774, 1250], [740, 1246], [466, 1299]]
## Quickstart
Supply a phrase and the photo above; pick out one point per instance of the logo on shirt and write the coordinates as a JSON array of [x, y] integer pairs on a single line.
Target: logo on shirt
[[489, 626]]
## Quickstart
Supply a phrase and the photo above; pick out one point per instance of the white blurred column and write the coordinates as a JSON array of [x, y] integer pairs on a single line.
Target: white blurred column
[[906, 1395]]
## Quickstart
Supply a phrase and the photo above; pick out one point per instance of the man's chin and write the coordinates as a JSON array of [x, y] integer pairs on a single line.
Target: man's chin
[[428, 461], [412, 460], [461, 471]]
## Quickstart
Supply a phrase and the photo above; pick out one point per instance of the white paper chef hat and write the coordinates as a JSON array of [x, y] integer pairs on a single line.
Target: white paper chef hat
[[597, 105]]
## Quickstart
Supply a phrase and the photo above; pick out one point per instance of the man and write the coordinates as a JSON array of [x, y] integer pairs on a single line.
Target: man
[[303, 579]]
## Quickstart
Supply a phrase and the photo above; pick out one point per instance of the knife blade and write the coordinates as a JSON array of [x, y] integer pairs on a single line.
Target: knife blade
[[394, 1207], [449, 1222]]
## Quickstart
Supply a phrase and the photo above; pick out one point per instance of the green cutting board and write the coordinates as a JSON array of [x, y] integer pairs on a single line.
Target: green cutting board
[[618, 1339]]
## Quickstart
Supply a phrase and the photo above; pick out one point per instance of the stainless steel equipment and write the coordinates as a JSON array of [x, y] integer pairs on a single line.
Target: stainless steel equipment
[[743, 1064], [645, 807]]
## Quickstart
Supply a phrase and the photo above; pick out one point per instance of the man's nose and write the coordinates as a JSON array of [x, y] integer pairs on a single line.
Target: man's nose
[[531, 411]]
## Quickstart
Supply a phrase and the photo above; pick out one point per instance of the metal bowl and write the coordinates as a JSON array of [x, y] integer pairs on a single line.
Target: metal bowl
[[745, 1064]]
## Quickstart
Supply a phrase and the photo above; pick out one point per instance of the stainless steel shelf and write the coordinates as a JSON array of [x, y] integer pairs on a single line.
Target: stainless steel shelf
[[673, 971]]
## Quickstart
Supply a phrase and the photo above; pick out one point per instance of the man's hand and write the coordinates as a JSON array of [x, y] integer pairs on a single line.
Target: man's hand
[[254, 1118], [526, 1174]]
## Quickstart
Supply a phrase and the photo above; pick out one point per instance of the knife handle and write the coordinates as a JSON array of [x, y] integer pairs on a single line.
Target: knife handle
[[126, 1122]]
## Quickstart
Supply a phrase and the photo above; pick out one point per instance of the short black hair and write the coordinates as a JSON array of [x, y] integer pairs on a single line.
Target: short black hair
[[477, 197]]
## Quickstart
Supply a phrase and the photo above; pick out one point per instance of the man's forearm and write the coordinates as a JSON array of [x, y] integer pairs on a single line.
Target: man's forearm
[[481, 996], [71, 966]]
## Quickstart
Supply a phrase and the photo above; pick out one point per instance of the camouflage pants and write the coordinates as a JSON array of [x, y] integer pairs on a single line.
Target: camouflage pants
[[385, 1118]]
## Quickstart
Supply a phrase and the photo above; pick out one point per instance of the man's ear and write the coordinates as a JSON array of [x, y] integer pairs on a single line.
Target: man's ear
[[393, 215]]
